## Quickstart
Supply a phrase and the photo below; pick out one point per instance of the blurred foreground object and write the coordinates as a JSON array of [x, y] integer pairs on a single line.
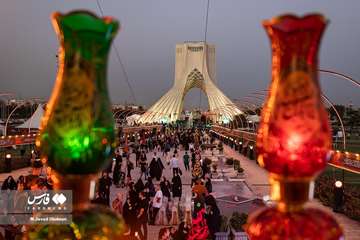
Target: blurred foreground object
[[294, 136], [77, 131]]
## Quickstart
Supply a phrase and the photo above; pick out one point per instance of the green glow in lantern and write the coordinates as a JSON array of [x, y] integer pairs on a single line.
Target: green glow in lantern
[[77, 131]]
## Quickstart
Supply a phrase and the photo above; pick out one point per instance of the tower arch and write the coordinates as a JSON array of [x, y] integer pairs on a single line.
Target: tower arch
[[194, 68]]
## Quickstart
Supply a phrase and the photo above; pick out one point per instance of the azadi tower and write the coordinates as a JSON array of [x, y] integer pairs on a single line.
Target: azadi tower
[[194, 68]]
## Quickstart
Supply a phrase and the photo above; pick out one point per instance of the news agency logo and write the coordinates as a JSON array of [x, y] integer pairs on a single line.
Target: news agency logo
[[44, 199], [59, 198], [47, 201]]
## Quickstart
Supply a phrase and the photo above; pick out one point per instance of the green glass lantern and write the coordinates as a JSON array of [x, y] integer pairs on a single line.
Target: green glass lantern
[[77, 131]]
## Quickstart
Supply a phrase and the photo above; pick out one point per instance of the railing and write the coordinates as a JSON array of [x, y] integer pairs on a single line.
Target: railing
[[340, 159], [6, 141]]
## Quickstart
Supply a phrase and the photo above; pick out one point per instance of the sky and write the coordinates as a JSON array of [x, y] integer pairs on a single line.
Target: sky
[[151, 28]]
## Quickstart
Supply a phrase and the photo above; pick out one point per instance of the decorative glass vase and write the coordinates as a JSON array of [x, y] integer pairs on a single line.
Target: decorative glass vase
[[294, 137], [77, 131]]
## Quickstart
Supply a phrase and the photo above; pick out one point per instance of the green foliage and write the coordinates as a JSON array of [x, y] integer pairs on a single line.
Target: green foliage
[[237, 221]]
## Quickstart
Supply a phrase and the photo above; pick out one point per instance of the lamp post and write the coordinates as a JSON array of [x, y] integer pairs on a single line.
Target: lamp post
[[8, 163], [338, 196], [8, 118]]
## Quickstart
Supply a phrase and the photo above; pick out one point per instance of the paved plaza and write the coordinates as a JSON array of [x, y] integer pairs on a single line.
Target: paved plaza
[[254, 184]]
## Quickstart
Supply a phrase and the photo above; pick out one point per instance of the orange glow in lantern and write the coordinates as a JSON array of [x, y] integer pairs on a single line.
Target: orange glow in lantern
[[294, 135]]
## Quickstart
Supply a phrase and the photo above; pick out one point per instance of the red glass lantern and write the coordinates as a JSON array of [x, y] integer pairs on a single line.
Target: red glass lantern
[[294, 137]]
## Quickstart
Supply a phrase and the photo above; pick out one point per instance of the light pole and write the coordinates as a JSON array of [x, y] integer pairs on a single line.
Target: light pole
[[7, 120], [8, 163]]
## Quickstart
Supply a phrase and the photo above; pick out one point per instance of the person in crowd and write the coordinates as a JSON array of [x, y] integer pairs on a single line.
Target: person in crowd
[[176, 186], [213, 215], [139, 186], [193, 157], [208, 184], [176, 153], [9, 184], [173, 232], [104, 187], [129, 166], [153, 168], [134, 196], [143, 165], [167, 148], [156, 204], [142, 216], [117, 170], [164, 234], [186, 159], [165, 188], [35, 174], [137, 156], [150, 188], [117, 204], [129, 215], [184, 227], [174, 164], [160, 168], [199, 188], [156, 167]]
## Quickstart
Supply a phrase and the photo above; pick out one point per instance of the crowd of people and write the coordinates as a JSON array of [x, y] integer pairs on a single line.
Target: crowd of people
[[39, 178], [149, 198]]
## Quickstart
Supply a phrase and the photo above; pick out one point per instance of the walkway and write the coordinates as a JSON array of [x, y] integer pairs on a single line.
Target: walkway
[[257, 179], [256, 185]]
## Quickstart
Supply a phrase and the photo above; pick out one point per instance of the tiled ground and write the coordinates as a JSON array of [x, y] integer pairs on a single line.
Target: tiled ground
[[255, 185]]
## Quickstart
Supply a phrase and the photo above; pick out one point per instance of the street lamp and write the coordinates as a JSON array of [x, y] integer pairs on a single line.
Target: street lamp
[[8, 163], [338, 196]]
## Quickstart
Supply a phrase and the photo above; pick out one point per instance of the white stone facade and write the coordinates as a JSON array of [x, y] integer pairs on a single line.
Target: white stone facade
[[194, 68]]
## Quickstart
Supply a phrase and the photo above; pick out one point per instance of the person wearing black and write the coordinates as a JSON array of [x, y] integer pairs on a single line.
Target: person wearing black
[[130, 166], [133, 195], [160, 167], [104, 187], [117, 170], [176, 186], [9, 184], [165, 188], [137, 156], [143, 163], [182, 232], [129, 215], [150, 188], [186, 161], [142, 216], [156, 168], [153, 167], [139, 186], [208, 184], [193, 157], [213, 215]]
